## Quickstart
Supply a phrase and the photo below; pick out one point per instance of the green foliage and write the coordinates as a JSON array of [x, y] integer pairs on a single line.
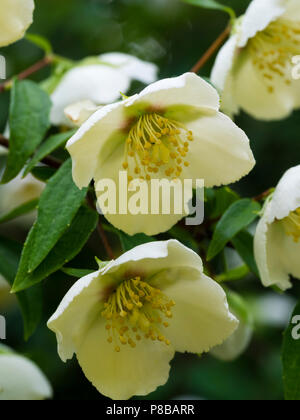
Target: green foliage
[[51, 144], [28, 122], [212, 4], [68, 246], [291, 361], [129, 242], [58, 205], [30, 301], [20, 211], [237, 217], [243, 243]]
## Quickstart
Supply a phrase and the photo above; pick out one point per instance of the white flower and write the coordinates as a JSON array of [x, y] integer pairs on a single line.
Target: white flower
[[126, 321], [172, 129], [19, 191], [101, 80], [254, 69], [15, 18], [21, 379], [277, 238]]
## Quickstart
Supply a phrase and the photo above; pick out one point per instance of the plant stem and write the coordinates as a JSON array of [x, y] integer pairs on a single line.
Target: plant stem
[[101, 231], [48, 160], [214, 46], [28, 72]]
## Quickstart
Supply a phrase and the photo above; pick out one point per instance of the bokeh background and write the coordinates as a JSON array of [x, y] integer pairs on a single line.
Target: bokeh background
[[173, 35]]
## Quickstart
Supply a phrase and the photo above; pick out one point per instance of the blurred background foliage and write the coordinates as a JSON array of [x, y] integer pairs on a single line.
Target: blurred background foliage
[[173, 35]]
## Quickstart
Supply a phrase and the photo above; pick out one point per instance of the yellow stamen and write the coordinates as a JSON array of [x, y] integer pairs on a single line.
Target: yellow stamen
[[145, 305], [292, 225], [272, 50], [155, 141]]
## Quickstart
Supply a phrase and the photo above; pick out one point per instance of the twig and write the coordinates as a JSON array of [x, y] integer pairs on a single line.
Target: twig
[[215, 45], [28, 72], [100, 230], [48, 160], [263, 195]]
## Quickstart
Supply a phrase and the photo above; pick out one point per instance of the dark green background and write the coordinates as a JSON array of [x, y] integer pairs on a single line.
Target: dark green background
[[174, 36]]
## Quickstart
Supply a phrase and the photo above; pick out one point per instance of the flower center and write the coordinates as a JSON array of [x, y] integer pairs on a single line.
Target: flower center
[[134, 309], [292, 225], [154, 142], [272, 50]]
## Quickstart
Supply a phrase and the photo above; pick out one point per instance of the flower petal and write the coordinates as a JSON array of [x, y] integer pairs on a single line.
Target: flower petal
[[286, 198], [85, 146], [220, 153], [79, 112], [21, 379], [258, 16], [119, 376], [269, 253], [15, 18], [150, 224], [224, 62], [292, 11], [201, 317], [188, 89], [133, 67], [98, 83], [154, 257], [68, 322], [251, 93]]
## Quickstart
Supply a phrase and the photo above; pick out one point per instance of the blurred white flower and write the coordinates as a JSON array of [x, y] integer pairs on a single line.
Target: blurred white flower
[[272, 309], [21, 379], [101, 81], [171, 130], [125, 321], [277, 238], [15, 18], [254, 69], [20, 191], [239, 341]]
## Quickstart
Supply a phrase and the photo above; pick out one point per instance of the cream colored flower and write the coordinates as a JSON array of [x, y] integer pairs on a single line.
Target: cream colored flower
[[277, 238], [126, 321], [15, 18], [171, 130], [254, 69], [21, 379], [101, 81], [20, 191]]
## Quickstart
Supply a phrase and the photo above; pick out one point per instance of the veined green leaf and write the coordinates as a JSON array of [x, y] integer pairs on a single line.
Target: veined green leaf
[[58, 205], [244, 245], [51, 144], [233, 274], [68, 246], [28, 121], [237, 217]]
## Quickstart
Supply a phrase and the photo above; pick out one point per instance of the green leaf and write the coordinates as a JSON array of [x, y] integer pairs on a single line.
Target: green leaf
[[58, 205], [69, 245], [40, 42], [218, 201], [244, 245], [30, 301], [291, 358], [233, 274], [130, 242], [43, 173], [51, 144], [28, 121], [212, 4], [237, 217], [19, 211], [76, 272]]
